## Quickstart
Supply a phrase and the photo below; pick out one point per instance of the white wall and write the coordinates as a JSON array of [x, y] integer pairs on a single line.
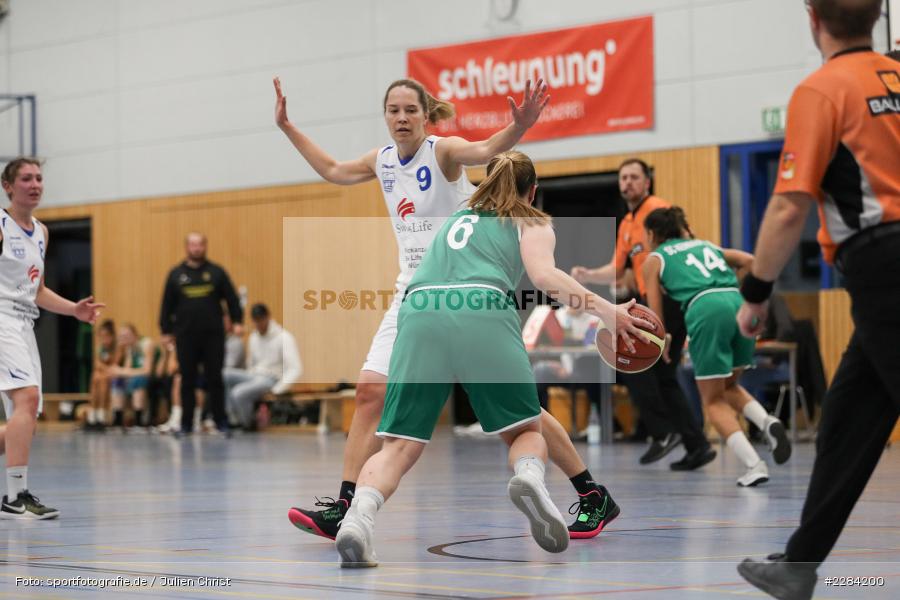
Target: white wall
[[151, 97]]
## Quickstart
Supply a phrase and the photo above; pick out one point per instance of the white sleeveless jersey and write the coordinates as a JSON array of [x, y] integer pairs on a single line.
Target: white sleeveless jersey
[[21, 269], [419, 199]]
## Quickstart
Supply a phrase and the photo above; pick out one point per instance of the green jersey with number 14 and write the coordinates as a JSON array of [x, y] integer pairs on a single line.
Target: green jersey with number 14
[[474, 249], [691, 267]]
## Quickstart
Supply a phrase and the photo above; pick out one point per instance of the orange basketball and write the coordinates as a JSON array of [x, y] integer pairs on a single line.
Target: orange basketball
[[645, 354]]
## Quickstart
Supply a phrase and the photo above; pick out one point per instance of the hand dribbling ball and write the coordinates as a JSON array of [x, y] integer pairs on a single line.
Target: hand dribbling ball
[[645, 353]]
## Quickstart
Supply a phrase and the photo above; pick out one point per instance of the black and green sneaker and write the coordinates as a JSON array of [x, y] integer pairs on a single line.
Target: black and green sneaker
[[595, 510], [26, 506], [320, 522]]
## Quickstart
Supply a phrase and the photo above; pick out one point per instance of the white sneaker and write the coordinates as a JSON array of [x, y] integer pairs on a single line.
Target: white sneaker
[[169, 427], [778, 440], [530, 496], [755, 475], [354, 541]]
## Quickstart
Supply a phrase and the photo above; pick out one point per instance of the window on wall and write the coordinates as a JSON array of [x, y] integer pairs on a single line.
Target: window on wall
[[748, 173]]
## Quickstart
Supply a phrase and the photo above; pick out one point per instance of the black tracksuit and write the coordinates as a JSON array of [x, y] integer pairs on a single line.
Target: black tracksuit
[[192, 311]]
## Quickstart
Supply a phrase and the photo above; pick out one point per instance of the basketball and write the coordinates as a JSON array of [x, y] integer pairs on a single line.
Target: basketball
[[645, 354]]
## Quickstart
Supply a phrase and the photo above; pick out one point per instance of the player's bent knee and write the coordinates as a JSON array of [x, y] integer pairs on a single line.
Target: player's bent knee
[[370, 396]]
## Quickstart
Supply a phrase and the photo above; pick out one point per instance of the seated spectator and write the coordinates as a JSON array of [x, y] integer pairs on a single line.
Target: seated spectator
[[103, 359], [163, 370], [234, 346], [173, 425], [234, 359], [132, 375], [273, 365]]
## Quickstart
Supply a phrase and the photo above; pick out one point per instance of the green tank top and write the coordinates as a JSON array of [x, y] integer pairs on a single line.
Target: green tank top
[[137, 357], [105, 354], [475, 249], [691, 267]]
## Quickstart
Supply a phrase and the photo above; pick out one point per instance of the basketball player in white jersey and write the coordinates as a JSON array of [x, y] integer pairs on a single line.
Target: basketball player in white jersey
[[423, 182], [23, 244]]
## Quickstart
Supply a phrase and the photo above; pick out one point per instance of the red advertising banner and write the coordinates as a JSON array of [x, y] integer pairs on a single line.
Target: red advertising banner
[[600, 78]]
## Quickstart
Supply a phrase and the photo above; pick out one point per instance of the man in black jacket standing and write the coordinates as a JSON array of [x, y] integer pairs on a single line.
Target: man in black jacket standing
[[192, 312]]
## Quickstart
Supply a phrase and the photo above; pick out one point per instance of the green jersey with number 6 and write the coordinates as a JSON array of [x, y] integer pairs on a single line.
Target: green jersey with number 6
[[458, 324], [476, 249], [691, 267]]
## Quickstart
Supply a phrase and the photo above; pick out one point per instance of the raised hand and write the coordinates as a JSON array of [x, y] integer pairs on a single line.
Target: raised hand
[[87, 310], [533, 102], [281, 117]]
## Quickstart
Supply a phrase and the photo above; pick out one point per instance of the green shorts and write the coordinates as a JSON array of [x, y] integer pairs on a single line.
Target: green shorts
[[468, 336], [716, 345]]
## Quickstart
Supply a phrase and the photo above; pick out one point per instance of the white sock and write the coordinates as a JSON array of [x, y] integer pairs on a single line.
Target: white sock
[[367, 501], [92, 416], [530, 464], [740, 445], [756, 414], [16, 481], [175, 418], [101, 416]]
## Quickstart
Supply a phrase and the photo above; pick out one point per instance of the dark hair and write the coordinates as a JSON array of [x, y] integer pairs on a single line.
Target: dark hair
[[667, 224], [895, 54], [436, 110], [13, 166], [636, 161], [510, 176], [259, 311], [109, 326], [847, 19]]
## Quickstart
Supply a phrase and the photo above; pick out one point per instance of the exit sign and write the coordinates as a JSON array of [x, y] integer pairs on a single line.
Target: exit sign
[[774, 119]]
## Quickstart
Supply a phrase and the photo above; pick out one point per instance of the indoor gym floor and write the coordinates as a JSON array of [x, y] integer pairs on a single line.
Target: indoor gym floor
[[153, 506]]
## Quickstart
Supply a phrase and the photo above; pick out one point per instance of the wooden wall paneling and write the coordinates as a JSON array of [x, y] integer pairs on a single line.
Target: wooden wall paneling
[[836, 327], [804, 305], [688, 177], [137, 242]]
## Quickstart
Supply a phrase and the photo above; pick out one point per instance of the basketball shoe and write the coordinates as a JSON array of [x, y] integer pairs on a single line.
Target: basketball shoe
[[354, 540], [320, 522], [778, 440], [595, 510], [26, 506], [528, 493]]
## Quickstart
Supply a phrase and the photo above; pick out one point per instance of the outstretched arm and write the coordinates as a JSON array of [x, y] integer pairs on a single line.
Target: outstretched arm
[[608, 273], [738, 260], [84, 310], [341, 173], [454, 152], [655, 297], [536, 248]]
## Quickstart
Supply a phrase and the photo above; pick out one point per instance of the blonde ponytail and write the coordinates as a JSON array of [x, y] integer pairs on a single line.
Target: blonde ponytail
[[510, 177]]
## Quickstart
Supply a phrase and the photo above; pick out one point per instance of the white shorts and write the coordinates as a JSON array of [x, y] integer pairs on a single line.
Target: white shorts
[[20, 363], [379, 357]]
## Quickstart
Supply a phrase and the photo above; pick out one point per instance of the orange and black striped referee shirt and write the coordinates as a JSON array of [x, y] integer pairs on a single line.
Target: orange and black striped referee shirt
[[631, 241], [842, 144]]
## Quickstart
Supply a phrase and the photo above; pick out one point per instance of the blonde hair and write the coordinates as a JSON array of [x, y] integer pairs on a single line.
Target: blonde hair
[[510, 176], [436, 110]]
